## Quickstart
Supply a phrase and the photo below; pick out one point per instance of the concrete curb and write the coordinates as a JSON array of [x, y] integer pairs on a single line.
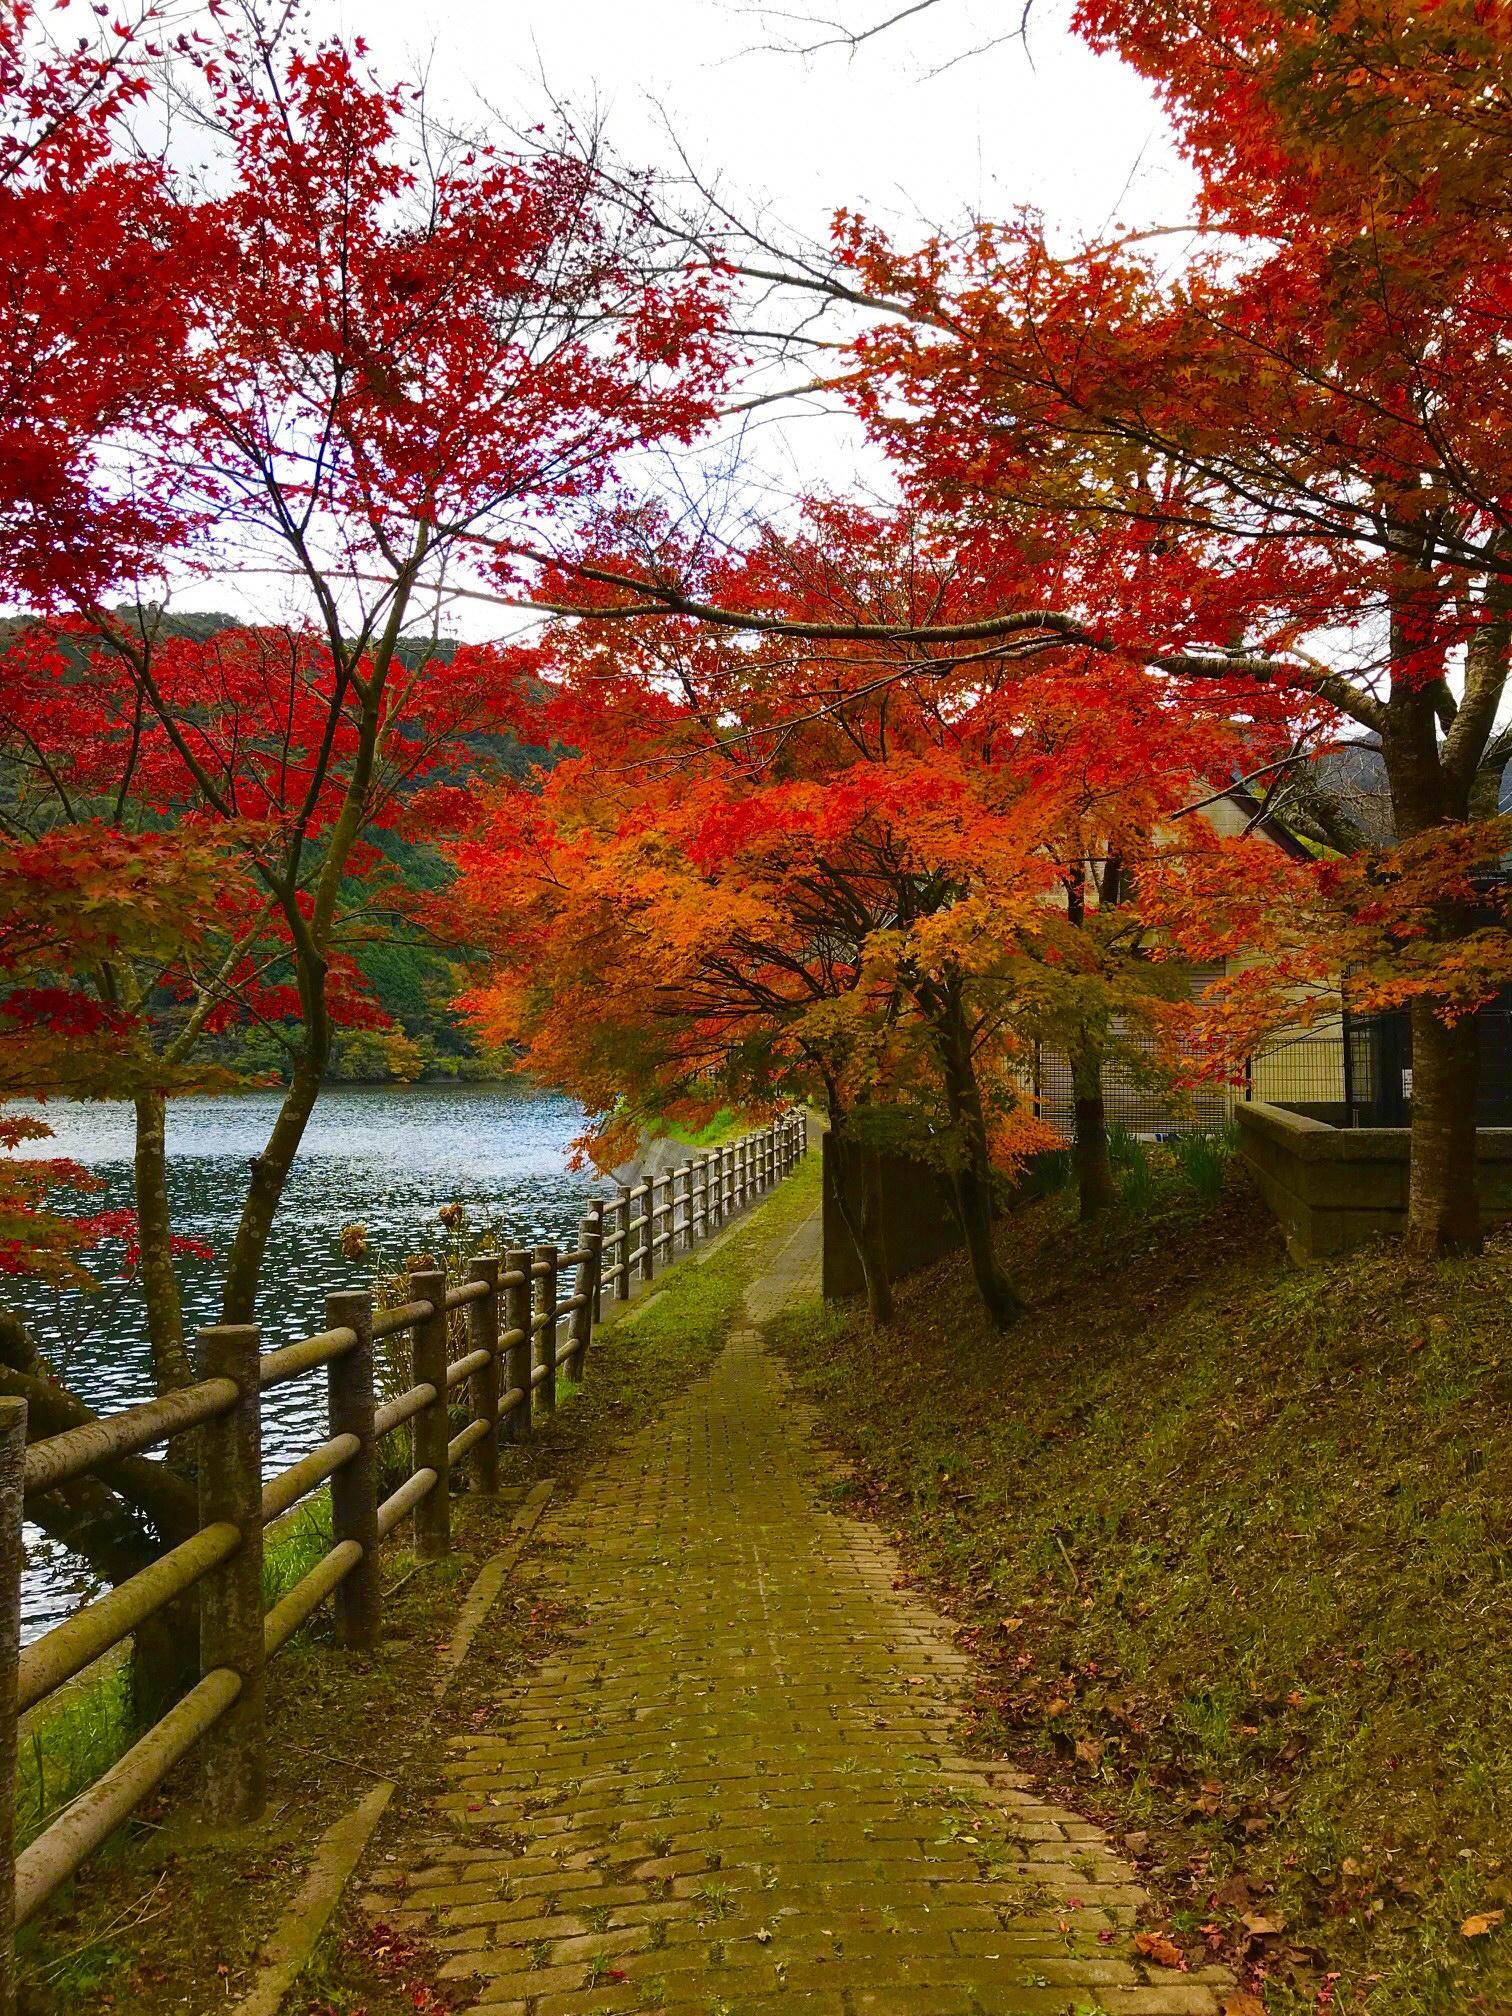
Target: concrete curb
[[297, 1932], [296, 1935]]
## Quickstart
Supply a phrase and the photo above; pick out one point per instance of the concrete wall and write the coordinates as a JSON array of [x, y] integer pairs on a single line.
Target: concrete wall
[[1335, 1188], [919, 1221], [919, 1225]]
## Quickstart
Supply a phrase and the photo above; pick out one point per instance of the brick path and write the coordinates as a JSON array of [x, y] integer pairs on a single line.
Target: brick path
[[736, 1790]]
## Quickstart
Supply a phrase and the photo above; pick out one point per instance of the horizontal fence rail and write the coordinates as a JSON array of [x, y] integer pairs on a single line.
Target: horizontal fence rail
[[489, 1348]]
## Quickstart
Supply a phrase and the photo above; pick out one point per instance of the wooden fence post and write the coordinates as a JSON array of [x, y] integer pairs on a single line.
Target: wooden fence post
[[428, 1368], [581, 1327], [483, 1335], [546, 1336], [12, 1485], [517, 1322], [622, 1216], [354, 1487], [648, 1233], [596, 1213], [234, 1753]]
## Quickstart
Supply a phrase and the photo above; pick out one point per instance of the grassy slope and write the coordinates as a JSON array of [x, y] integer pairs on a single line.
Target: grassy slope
[[1234, 1542]]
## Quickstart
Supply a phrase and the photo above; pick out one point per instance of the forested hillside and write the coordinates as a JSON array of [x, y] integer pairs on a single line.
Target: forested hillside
[[409, 979]]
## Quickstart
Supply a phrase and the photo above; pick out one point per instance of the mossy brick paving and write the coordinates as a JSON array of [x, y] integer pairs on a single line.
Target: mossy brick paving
[[737, 1784]]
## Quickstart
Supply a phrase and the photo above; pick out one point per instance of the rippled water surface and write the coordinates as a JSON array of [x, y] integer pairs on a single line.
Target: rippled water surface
[[388, 1156]]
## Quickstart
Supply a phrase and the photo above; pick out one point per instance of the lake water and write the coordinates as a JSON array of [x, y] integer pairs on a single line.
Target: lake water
[[388, 1156]]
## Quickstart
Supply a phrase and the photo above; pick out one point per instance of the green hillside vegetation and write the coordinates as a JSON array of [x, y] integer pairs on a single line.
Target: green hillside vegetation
[[1235, 1542], [413, 982]]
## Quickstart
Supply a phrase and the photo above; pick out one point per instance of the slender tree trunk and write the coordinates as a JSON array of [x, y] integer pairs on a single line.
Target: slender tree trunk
[[974, 1206], [858, 1197], [1089, 1148], [971, 1175], [160, 1288], [1443, 1215], [270, 1175]]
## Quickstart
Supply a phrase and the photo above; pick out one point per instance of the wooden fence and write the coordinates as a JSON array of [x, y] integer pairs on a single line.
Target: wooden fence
[[505, 1377]]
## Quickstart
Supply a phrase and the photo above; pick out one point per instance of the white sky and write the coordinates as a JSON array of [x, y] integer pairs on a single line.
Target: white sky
[[1076, 134], [920, 127]]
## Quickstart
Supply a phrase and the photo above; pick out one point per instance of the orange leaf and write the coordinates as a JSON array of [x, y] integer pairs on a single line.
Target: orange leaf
[[1156, 1946], [1481, 1923]]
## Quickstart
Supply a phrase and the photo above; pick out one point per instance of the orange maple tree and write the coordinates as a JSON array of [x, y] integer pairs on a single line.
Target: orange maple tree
[[870, 873]]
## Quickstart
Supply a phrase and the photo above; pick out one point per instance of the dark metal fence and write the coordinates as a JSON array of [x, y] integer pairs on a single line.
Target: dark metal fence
[[1379, 1055], [1133, 1096]]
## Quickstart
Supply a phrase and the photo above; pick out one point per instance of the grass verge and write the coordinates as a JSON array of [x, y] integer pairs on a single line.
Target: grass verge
[[1234, 1543], [63, 1752], [650, 1349]]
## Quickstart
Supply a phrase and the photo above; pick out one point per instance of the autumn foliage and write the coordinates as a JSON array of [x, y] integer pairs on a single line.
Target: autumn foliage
[[865, 873], [866, 803]]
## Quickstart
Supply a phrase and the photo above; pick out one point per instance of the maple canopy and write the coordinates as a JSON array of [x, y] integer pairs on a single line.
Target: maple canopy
[[866, 873], [1275, 466]]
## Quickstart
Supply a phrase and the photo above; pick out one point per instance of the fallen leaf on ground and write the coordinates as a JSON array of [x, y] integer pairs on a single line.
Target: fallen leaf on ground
[[1481, 1923], [1262, 1928], [1244, 2005], [1155, 1946]]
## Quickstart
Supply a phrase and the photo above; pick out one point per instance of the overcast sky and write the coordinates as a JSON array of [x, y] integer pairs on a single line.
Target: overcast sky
[[911, 126], [919, 127]]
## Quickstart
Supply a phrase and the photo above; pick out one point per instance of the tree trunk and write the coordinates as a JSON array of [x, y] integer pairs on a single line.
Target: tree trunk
[[160, 1288], [974, 1206], [1443, 1213], [1089, 1148], [270, 1174], [971, 1175], [858, 1197], [1443, 1216]]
